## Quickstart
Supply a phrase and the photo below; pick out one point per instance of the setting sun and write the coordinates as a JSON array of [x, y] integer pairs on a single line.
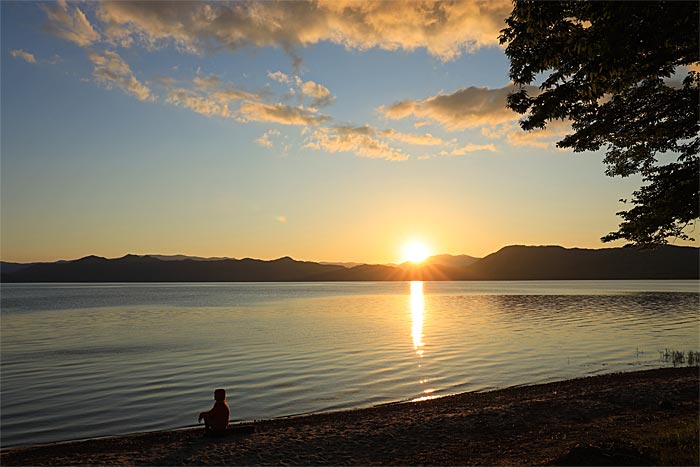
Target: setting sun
[[415, 252]]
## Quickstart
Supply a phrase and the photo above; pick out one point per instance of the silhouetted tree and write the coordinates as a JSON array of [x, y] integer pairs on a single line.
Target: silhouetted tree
[[608, 67]]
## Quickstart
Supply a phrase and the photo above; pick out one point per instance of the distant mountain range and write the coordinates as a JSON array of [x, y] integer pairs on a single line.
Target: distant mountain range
[[509, 263]]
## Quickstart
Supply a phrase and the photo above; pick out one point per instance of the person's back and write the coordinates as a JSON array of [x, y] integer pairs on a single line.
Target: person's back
[[216, 419]]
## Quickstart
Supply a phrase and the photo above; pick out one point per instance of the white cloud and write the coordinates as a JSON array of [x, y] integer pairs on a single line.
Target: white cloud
[[26, 56], [70, 23], [444, 29], [112, 71]]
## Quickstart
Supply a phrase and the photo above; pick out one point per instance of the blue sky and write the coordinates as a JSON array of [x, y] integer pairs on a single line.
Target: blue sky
[[324, 131]]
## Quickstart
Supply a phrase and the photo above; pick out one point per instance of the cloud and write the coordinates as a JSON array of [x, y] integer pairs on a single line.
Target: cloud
[[206, 83], [420, 140], [213, 86], [356, 140], [280, 113], [465, 108], [26, 56], [319, 93], [265, 141], [544, 139], [425, 139], [209, 95], [70, 23], [189, 99], [112, 71], [473, 107], [500, 130], [461, 151], [472, 148], [278, 76], [205, 94], [444, 29]]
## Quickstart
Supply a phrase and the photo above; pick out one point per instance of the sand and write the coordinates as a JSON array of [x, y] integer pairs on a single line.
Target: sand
[[609, 419]]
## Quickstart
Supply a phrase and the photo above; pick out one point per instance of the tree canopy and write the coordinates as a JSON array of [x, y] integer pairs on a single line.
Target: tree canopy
[[612, 69]]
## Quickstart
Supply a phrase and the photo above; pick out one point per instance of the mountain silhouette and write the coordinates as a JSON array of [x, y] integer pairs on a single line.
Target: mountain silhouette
[[554, 262], [515, 262]]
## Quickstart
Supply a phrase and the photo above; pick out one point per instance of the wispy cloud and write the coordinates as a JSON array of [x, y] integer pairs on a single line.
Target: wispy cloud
[[112, 71], [444, 29], [69, 22], [469, 148], [280, 113], [189, 99], [317, 94], [278, 76], [460, 151], [205, 94], [425, 139], [544, 139], [265, 140], [209, 95], [26, 56], [359, 141]]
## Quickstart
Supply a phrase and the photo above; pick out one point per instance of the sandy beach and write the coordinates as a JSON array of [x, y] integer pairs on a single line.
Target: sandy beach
[[638, 418]]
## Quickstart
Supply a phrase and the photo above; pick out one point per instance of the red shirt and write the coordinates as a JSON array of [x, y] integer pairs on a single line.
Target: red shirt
[[219, 415]]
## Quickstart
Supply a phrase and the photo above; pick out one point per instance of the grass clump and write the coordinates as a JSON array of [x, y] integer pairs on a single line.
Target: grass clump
[[675, 445], [679, 358]]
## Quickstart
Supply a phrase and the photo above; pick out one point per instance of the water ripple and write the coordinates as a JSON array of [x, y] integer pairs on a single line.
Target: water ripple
[[147, 356]]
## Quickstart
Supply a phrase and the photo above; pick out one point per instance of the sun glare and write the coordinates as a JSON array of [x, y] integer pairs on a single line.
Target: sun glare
[[415, 252]]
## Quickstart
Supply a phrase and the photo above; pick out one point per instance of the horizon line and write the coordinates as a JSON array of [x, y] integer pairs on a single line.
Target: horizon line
[[390, 263]]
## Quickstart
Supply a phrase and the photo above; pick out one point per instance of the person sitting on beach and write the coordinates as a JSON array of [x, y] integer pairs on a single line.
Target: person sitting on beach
[[216, 420]]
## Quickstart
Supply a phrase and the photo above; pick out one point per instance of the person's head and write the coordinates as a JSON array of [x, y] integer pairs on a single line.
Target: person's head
[[220, 394]]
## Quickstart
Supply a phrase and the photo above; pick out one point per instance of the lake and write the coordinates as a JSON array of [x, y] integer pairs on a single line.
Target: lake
[[86, 360]]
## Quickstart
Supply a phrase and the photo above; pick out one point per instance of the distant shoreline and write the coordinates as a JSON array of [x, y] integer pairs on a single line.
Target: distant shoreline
[[620, 414], [351, 281], [510, 263]]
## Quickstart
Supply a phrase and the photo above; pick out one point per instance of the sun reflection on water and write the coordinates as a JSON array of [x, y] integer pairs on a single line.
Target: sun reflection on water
[[417, 312]]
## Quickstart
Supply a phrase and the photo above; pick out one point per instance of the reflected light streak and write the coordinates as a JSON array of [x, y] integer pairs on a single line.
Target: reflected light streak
[[417, 312]]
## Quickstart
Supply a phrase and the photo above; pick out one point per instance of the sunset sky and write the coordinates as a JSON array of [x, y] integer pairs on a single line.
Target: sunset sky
[[326, 131]]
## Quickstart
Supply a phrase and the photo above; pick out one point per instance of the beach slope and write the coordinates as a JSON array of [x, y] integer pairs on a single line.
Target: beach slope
[[637, 418]]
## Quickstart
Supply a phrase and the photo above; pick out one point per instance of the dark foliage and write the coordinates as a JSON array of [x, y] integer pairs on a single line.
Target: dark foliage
[[602, 66]]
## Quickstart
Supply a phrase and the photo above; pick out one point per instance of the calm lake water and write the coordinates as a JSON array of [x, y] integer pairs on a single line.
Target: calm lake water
[[85, 360]]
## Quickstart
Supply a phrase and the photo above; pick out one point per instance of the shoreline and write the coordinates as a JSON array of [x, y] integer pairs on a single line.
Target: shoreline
[[623, 413]]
